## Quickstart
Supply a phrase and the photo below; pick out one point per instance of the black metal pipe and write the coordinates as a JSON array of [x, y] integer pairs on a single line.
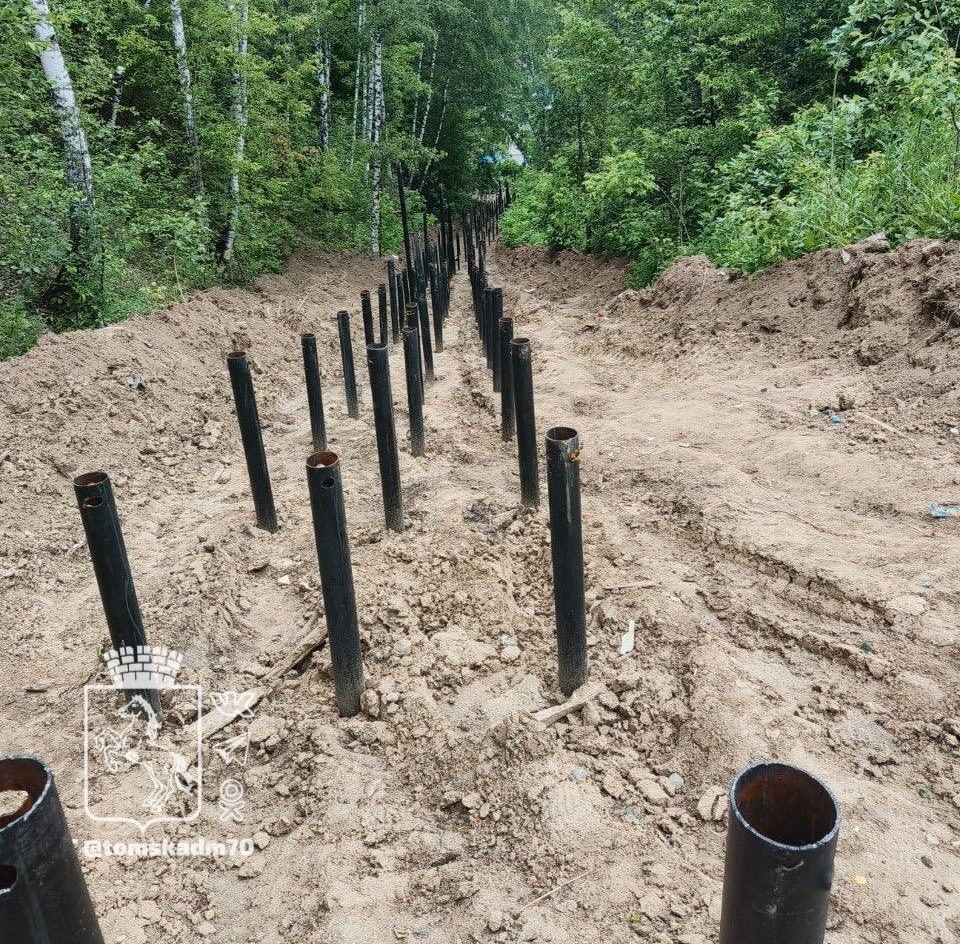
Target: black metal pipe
[[366, 310], [311, 369], [488, 309], [781, 840], [405, 220], [566, 547], [437, 306], [412, 321], [250, 433], [349, 373], [382, 311], [111, 567], [425, 341], [402, 300], [508, 423], [520, 356], [411, 359], [336, 579], [495, 315], [395, 308], [44, 897], [378, 363]]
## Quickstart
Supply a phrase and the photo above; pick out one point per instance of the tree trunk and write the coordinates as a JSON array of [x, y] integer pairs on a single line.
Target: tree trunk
[[369, 103], [186, 91], [75, 151], [119, 75], [416, 97], [76, 294], [240, 120], [426, 108], [379, 119], [361, 19], [436, 137], [322, 52], [119, 80]]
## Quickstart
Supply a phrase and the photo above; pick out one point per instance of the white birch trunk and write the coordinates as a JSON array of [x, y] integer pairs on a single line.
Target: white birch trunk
[[436, 137], [361, 19], [416, 98], [186, 90], [426, 108], [322, 51], [328, 60], [76, 153], [378, 121], [371, 104], [119, 80], [240, 120]]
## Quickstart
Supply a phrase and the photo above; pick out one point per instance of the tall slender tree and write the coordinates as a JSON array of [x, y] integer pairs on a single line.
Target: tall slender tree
[[80, 285], [321, 51], [186, 92], [378, 123], [242, 31]]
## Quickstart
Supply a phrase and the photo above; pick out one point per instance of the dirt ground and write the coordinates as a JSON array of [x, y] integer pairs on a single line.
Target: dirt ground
[[759, 460]]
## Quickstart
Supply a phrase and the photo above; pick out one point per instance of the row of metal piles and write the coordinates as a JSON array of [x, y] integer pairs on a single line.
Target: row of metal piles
[[783, 823]]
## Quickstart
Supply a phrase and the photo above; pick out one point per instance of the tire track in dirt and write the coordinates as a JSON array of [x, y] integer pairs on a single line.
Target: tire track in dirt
[[442, 813]]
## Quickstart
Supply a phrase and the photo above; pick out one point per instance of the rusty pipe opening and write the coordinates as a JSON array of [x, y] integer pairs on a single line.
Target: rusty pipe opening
[[785, 805], [90, 478], [24, 775], [43, 895], [781, 842], [323, 459]]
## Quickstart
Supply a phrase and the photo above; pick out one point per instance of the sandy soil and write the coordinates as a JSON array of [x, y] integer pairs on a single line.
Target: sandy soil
[[759, 457]]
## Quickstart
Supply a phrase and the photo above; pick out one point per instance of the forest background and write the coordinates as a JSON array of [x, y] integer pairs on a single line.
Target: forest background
[[152, 146]]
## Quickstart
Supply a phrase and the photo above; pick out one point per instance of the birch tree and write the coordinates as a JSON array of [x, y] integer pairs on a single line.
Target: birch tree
[[186, 92], [436, 137], [378, 123], [240, 121], [416, 97], [361, 21], [322, 53], [79, 287], [426, 107], [76, 153], [119, 81]]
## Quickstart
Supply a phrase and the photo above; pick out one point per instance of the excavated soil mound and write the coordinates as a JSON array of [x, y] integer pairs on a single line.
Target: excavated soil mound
[[760, 458]]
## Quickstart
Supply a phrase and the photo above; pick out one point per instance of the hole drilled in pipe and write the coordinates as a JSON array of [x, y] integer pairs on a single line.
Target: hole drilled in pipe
[[323, 460], [561, 434], [785, 805], [8, 878]]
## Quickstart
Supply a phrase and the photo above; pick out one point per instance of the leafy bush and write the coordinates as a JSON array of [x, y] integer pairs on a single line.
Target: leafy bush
[[747, 149], [549, 211]]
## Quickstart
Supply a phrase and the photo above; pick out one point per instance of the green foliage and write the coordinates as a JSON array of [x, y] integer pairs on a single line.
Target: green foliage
[[18, 330], [153, 235], [748, 129], [549, 212]]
